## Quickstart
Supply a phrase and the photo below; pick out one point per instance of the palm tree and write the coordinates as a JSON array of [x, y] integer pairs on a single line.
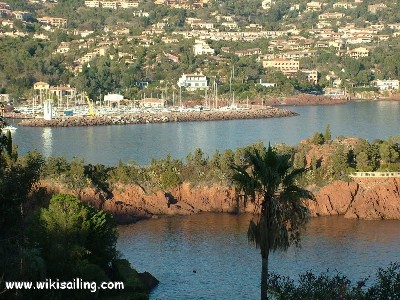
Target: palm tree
[[268, 180]]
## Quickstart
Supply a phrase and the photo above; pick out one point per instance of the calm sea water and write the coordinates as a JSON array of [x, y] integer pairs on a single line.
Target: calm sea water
[[216, 245], [227, 267], [141, 143]]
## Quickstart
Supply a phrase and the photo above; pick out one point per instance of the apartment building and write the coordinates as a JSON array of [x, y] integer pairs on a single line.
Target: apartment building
[[56, 22], [358, 52], [287, 67], [312, 75]]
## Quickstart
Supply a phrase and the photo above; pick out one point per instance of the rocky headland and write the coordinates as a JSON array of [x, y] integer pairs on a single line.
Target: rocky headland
[[306, 99], [362, 198], [159, 117]]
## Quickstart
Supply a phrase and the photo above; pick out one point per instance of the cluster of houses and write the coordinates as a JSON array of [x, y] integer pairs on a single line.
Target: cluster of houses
[[285, 49], [185, 4], [112, 4]]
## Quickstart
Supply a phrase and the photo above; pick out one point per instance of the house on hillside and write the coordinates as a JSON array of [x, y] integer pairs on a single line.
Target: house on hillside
[[193, 82], [56, 22], [41, 86], [331, 15], [314, 6], [358, 52], [345, 5], [374, 8], [22, 15], [248, 52], [201, 48]]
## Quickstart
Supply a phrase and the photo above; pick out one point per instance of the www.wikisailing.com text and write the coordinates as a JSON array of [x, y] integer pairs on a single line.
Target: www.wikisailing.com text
[[75, 284]]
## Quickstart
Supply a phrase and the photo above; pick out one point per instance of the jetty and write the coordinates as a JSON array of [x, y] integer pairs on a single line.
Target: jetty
[[145, 117]]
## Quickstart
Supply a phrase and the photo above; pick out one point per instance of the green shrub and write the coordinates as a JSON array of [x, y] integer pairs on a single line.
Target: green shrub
[[337, 286]]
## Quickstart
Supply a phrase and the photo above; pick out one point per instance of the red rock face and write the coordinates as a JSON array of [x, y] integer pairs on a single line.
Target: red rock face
[[378, 199], [131, 200], [333, 199], [363, 198]]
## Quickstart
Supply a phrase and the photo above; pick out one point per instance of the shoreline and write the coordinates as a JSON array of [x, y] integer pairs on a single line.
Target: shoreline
[[147, 118]]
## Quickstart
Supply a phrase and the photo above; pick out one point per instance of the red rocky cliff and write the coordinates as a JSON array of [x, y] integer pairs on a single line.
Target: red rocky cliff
[[362, 198]]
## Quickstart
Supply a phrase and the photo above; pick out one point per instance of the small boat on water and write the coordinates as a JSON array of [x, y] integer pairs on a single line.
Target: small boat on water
[[9, 128]]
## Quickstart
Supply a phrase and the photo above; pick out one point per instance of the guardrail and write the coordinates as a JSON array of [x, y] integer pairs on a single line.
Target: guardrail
[[375, 174]]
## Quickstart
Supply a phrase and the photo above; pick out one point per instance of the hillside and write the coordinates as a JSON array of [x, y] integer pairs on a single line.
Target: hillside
[[339, 48]]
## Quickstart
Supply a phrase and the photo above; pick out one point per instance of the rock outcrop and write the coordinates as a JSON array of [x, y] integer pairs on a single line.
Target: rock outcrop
[[378, 199], [363, 198], [333, 199], [131, 201]]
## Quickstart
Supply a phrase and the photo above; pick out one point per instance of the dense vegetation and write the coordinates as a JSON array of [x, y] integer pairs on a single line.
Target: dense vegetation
[[62, 239], [331, 286]]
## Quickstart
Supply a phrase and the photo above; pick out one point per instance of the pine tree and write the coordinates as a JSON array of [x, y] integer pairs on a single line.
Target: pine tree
[[328, 133]]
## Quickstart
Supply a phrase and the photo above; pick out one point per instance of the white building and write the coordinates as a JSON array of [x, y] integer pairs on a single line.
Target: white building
[[202, 48], [386, 84], [113, 99], [193, 82], [266, 4]]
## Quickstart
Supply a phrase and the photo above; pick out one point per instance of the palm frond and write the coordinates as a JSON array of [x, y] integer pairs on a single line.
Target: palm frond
[[282, 210]]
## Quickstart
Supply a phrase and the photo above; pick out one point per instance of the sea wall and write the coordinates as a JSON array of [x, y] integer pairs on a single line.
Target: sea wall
[[160, 117], [362, 199]]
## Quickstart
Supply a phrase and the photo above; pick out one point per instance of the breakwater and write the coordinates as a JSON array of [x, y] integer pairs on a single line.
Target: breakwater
[[159, 117]]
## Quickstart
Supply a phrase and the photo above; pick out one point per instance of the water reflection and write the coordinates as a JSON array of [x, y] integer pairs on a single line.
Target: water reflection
[[227, 267], [47, 140]]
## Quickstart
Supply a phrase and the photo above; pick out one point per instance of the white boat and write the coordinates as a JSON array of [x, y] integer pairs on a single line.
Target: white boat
[[9, 128]]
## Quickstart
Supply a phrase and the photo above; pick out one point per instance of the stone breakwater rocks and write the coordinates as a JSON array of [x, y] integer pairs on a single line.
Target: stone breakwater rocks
[[144, 118]]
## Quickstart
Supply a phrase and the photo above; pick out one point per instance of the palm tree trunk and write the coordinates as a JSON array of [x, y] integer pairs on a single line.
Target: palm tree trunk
[[264, 277]]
